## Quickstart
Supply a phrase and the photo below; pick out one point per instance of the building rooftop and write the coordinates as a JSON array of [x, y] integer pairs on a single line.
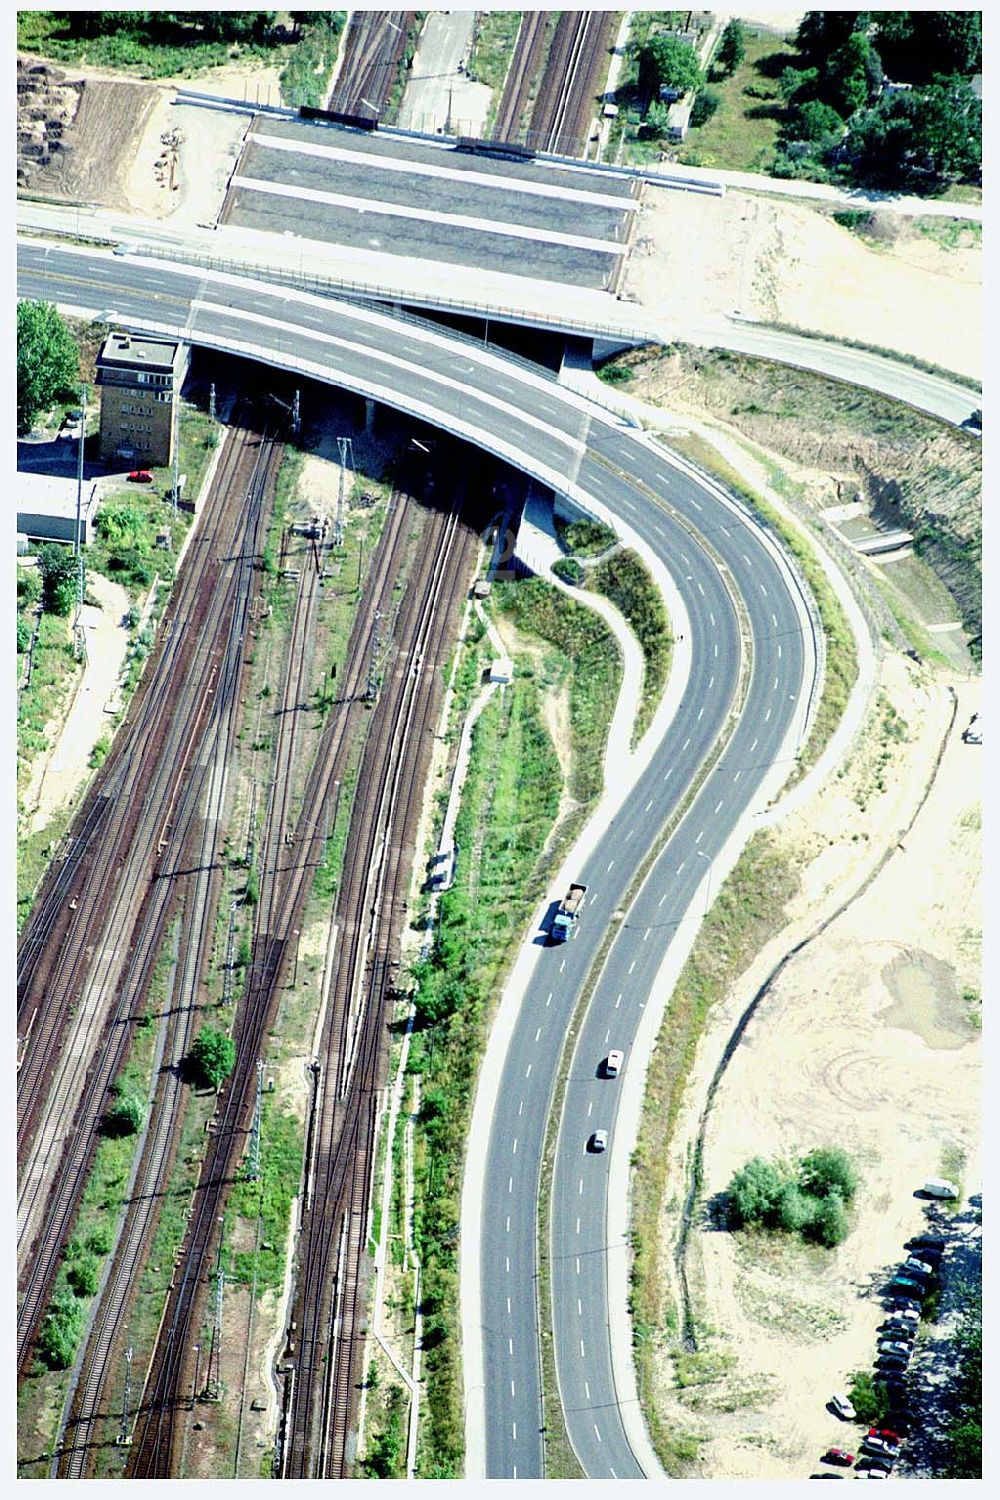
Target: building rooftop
[[51, 494], [138, 351]]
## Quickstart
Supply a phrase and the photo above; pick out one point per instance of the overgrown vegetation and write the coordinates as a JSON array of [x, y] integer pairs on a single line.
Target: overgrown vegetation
[[628, 583], [385, 1456], [749, 908], [268, 1200], [508, 808], [965, 1428], [809, 1198], [150, 44], [493, 43], [569, 570], [585, 538], [305, 78]]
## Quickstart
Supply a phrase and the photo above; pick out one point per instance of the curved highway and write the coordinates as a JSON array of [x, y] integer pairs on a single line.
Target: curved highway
[[568, 443]]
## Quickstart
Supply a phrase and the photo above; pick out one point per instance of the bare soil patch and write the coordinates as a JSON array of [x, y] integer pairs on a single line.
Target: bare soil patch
[[868, 1039], [781, 261]]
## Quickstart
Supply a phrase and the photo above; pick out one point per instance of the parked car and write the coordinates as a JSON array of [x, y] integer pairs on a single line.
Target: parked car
[[141, 476], [885, 1432], [613, 1062], [893, 1329], [884, 1465], [842, 1406], [881, 1446], [927, 1242], [598, 1141], [892, 1361], [838, 1456], [873, 1474], [895, 1346], [905, 1307], [914, 1267], [940, 1187], [913, 1288]]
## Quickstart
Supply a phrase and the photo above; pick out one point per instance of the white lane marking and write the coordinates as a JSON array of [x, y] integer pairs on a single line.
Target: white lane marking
[[596, 479], [508, 1305], [629, 834], [510, 1184], [681, 866], [507, 1258], [609, 868], [507, 1231], [774, 619], [626, 502], [549, 1000], [716, 651], [586, 1387], [514, 1151], [579, 1308], [669, 773], [646, 933], [563, 964], [618, 1002], [779, 652], [700, 589], [699, 838], [631, 966], [683, 747], [527, 1071], [610, 1471], [685, 559], [538, 1033], [453, 174], [746, 560], [510, 1351], [380, 209], [580, 1188], [513, 1427], [512, 1387], [767, 716], [662, 899], [582, 1350], [754, 745], [700, 712], [718, 806], [578, 1265], [596, 1428], [520, 1107], [590, 1107], [711, 617], [663, 477], [607, 1036], [711, 680], [737, 776], [578, 1226], [763, 590], [648, 805], [696, 505], [775, 688]]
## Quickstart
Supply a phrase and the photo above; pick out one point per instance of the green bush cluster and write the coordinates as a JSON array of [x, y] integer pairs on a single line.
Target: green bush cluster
[[386, 1455], [569, 570], [60, 1331], [305, 78], [628, 583], [810, 1199], [212, 1058], [125, 1116], [587, 538]]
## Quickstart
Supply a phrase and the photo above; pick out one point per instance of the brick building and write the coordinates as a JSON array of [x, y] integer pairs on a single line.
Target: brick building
[[140, 379]]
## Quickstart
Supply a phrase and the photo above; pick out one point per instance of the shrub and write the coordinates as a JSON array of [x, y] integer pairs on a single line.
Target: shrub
[[60, 1331], [125, 1116], [704, 107], [59, 569], [827, 1224], [569, 570], [29, 587], [99, 754], [755, 1192], [23, 634], [99, 1240], [828, 1170], [83, 1272], [212, 1057]]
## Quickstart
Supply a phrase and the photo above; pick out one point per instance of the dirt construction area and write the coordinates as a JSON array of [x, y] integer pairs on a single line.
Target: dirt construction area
[[869, 1039], [915, 286]]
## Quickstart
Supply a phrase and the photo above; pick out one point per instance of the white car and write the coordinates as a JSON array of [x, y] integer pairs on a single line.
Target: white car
[[940, 1187], [842, 1406], [613, 1062]]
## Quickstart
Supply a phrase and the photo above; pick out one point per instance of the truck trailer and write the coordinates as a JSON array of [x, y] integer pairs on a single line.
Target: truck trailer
[[569, 910]]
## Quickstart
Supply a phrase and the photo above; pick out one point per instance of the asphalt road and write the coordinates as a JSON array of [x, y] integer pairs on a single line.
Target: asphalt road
[[527, 418], [390, 193]]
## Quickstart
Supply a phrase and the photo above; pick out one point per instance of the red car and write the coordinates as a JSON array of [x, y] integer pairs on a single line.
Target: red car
[[141, 476], [838, 1456], [885, 1432]]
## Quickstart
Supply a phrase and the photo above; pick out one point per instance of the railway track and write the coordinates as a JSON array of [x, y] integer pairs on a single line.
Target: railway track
[[567, 64], [329, 1301], [285, 882], [155, 767], [373, 51], [199, 893]]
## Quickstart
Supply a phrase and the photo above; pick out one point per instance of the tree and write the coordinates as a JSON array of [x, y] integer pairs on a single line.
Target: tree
[[821, 31], [846, 75], [917, 44], [667, 62], [828, 1170], [48, 362], [212, 1057], [798, 84], [732, 47], [793, 1209], [655, 121], [59, 569], [60, 1331], [918, 138], [83, 1272], [755, 1192]]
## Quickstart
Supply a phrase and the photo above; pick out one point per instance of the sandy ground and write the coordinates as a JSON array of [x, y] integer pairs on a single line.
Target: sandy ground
[[865, 1040], [784, 262], [56, 778], [208, 137]]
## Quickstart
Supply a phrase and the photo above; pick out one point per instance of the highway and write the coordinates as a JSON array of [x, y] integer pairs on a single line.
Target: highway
[[565, 442]]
